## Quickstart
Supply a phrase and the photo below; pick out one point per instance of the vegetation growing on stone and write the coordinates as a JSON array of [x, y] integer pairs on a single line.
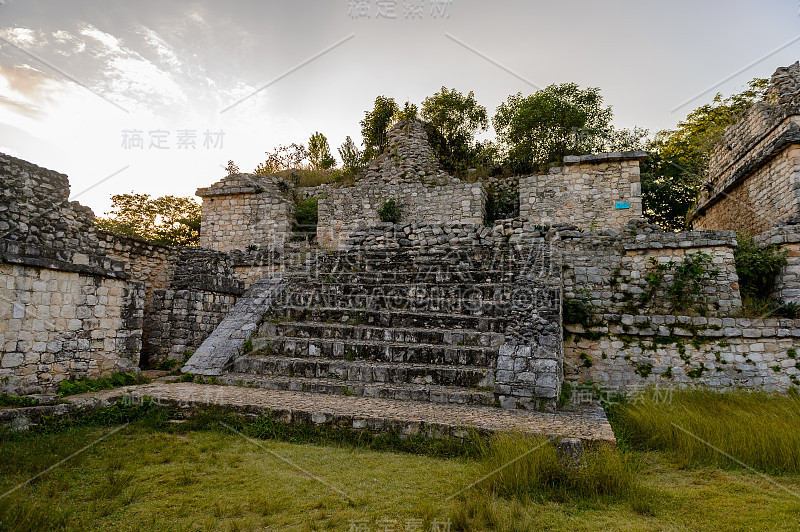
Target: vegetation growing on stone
[[390, 211]]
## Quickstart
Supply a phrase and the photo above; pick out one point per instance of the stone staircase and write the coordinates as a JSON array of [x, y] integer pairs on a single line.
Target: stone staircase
[[411, 324]]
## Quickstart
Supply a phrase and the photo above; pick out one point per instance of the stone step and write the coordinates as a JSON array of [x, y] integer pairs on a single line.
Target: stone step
[[378, 351], [425, 255], [398, 392], [366, 372], [401, 276], [338, 331], [388, 318], [413, 264], [485, 291], [467, 307]]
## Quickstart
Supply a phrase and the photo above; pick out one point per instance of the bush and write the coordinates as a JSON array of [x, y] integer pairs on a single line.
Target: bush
[[578, 310], [306, 217], [501, 204], [390, 211], [757, 267]]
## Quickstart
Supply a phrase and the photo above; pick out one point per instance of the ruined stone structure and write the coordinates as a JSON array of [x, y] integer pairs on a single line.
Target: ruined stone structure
[[408, 172], [438, 308], [591, 192], [245, 210], [754, 172]]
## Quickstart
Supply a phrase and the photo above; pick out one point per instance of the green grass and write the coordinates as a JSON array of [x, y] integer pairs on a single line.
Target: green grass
[[14, 401], [519, 465], [755, 428], [86, 384], [155, 474]]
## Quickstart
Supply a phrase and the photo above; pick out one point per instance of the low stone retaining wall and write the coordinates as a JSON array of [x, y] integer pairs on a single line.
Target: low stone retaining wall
[[629, 352]]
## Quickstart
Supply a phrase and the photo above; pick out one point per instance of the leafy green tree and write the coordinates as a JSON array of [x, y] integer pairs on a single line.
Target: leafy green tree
[[408, 112], [282, 158], [168, 220], [455, 118], [542, 128], [375, 125], [319, 152], [352, 158], [678, 165]]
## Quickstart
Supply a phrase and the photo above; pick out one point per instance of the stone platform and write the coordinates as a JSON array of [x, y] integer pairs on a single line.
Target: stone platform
[[361, 413]]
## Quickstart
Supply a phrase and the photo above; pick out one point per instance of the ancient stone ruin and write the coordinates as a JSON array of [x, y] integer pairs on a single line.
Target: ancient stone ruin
[[437, 308]]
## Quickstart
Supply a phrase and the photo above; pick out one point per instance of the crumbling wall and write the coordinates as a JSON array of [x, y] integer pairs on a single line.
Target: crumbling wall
[[245, 210], [347, 210], [409, 172], [601, 191], [610, 271]]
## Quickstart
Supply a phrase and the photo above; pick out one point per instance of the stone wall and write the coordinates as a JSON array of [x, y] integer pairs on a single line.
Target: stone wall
[[35, 208], [196, 286], [347, 210], [590, 191], [762, 196], [245, 210], [787, 238], [180, 320], [629, 352], [610, 270], [753, 181], [60, 319]]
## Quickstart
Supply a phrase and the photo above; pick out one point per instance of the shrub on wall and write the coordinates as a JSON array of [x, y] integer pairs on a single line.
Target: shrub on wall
[[306, 217], [758, 268], [390, 211]]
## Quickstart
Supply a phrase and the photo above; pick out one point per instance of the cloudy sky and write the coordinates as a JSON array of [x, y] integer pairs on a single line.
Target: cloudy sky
[[155, 96]]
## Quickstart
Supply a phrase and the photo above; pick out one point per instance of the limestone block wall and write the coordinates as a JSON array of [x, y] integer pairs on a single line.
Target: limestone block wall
[[347, 210], [787, 285], [610, 270], [600, 191], [61, 320], [244, 210], [764, 196], [180, 320], [629, 352]]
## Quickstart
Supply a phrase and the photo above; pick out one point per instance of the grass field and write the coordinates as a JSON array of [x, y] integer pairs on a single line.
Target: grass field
[[157, 475]]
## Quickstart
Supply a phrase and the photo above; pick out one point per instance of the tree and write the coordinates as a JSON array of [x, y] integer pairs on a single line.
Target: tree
[[408, 112], [375, 126], [559, 120], [231, 168], [456, 118], [168, 220], [678, 165], [352, 158], [282, 158], [319, 152]]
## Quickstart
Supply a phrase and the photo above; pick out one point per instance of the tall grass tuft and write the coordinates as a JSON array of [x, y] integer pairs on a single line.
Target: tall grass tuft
[[759, 429], [519, 465]]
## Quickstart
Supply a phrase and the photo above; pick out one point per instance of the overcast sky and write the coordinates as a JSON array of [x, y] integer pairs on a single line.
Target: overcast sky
[[82, 83]]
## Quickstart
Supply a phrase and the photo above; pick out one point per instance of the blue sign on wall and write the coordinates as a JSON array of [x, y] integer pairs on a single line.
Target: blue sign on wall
[[623, 205]]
